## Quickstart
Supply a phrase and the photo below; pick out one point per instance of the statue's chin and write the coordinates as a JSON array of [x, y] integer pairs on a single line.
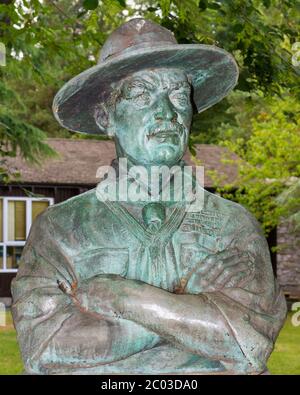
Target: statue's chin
[[160, 155], [167, 155]]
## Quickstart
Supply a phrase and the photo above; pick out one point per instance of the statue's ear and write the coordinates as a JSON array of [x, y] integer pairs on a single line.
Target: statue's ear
[[103, 119]]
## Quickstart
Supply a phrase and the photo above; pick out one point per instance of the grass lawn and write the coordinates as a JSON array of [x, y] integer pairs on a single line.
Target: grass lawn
[[284, 360], [10, 360]]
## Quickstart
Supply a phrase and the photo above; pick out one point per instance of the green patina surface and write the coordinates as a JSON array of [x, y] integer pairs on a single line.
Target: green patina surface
[[146, 284], [284, 359]]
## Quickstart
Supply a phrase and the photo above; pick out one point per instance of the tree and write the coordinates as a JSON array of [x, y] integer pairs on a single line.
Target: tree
[[269, 164], [15, 133], [50, 41]]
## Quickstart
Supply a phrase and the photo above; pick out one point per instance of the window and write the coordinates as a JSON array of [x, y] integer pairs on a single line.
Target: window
[[16, 217]]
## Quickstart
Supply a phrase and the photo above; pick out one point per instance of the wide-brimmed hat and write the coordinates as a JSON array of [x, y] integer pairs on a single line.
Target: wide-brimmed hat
[[136, 45]]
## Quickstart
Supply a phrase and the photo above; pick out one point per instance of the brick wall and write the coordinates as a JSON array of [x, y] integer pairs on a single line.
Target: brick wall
[[288, 260]]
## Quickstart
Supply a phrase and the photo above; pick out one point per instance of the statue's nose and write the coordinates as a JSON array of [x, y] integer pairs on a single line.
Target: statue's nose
[[165, 110]]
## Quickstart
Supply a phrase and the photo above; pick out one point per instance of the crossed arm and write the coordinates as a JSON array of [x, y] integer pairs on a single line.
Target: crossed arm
[[108, 318], [190, 322], [195, 322]]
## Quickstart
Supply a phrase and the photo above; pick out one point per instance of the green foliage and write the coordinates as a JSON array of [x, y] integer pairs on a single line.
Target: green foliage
[[15, 133], [18, 135], [90, 4], [46, 43], [269, 160], [259, 35], [50, 41]]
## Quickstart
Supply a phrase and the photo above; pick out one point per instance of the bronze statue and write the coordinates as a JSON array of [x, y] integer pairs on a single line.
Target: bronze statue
[[132, 286]]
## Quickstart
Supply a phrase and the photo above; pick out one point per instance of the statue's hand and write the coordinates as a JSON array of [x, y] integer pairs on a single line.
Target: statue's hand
[[229, 268]]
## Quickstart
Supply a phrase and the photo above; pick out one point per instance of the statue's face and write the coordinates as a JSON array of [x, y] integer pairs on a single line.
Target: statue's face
[[152, 117]]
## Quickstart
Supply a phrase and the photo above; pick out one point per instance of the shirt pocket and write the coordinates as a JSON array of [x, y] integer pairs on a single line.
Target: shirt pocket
[[102, 261]]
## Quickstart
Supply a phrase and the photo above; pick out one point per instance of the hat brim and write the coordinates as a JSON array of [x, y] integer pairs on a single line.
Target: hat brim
[[212, 70]]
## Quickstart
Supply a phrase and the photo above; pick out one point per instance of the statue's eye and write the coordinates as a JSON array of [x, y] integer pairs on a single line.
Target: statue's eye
[[137, 93], [134, 89], [134, 92], [140, 97], [180, 98], [143, 99]]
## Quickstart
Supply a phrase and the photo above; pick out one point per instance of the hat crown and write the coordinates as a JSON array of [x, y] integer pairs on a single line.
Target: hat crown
[[134, 34]]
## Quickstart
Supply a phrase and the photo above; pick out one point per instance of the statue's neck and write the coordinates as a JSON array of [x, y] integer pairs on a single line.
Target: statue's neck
[[130, 163], [123, 165]]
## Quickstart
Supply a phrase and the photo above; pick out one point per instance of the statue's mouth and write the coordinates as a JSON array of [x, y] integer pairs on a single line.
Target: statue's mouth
[[163, 134]]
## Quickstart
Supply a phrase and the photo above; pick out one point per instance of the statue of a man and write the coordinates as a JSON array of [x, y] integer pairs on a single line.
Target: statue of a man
[[112, 286]]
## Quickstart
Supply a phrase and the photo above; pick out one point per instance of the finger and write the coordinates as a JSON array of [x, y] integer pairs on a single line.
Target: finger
[[230, 258], [229, 272], [216, 279], [211, 265], [208, 278], [239, 279], [230, 252], [211, 268], [243, 256], [234, 253], [220, 267]]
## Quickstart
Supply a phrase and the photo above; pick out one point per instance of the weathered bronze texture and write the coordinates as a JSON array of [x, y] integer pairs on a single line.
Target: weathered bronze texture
[[136, 286]]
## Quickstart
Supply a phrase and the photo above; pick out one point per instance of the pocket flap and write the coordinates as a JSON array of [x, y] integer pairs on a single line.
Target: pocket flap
[[102, 261]]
